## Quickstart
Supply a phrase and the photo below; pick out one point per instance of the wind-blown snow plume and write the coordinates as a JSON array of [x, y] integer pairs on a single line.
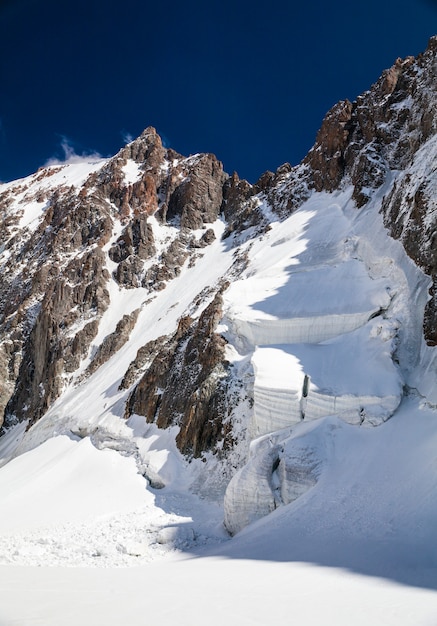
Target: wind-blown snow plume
[[70, 156]]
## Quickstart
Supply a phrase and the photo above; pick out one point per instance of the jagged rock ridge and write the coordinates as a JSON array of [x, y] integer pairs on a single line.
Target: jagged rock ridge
[[56, 268]]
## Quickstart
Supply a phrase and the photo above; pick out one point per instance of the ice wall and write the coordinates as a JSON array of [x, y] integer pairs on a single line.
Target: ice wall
[[352, 376], [264, 332], [281, 467]]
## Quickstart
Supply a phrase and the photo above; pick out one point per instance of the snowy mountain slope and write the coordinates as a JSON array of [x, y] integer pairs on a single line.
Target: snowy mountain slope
[[352, 376], [180, 348]]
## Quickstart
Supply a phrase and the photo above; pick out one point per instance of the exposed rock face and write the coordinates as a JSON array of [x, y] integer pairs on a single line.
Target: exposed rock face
[[240, 205], [381, 131], [170, 264], [136, 239], [53, 284], [327, 157], [48, 351], [186, 384], [143, 359], [170, 187], [53, 278], [197, 199]]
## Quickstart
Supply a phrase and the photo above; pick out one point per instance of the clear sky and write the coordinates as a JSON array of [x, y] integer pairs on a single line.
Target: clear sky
[[249, 81]]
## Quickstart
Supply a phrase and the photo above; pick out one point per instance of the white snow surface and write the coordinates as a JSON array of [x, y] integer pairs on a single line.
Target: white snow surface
[[335, 521], [310, 254], [27, 190], [132, 172], [358, 547]]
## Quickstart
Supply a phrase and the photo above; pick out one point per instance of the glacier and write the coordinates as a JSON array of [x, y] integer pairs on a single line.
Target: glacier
[[313, 357]]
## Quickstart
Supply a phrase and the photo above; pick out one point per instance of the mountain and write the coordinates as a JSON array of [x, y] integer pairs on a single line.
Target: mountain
[[262, 354]]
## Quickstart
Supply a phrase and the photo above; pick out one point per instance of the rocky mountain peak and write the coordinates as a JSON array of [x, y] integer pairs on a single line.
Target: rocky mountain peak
[[204, 351], [135, 223], [147, 149], [101, 221], [381, 130]]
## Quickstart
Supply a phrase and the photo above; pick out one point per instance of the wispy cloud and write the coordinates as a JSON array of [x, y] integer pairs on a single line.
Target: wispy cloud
[[127, 137], [165, 140], [70, 155]]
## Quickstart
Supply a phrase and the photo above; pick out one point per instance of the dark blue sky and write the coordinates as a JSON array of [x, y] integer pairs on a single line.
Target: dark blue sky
[[249, 81]]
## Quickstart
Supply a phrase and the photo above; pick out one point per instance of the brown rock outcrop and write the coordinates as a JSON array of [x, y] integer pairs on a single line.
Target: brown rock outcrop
[[186, 384], [327, 157], [198, 198], [137, 238], [49, 349], [143, 359], [171, 187]]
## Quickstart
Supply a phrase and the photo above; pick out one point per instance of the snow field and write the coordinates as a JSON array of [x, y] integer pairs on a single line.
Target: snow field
[[323, 557], [86, 506], [371, 510], [240, 592], [132, 172]]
